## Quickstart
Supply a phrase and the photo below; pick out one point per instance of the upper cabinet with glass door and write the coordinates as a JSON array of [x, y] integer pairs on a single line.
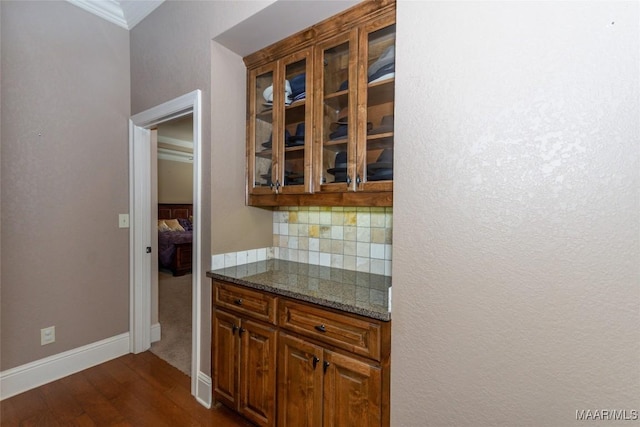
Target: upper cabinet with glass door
[[295, 173], [336, 113], [376, 100], [279, 112], [321, 106], [355, 114], [261, 151]]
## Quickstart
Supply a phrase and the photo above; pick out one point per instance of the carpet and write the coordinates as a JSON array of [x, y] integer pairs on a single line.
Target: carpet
[[174, 315]]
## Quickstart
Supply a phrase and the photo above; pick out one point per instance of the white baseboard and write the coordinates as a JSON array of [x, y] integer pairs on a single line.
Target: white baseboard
[[26, 377], [156, 332], [203, 391]]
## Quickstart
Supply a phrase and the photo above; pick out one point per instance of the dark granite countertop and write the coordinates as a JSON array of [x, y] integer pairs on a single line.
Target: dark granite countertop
[[351, 291]]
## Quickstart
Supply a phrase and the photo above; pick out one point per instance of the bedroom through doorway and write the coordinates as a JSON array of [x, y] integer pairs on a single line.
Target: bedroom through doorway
[[172, 212]]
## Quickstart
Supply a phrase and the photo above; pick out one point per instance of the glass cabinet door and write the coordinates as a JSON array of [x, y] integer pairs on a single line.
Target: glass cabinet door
[[335, 116], [375, 138], [261, 147], [295, 175]]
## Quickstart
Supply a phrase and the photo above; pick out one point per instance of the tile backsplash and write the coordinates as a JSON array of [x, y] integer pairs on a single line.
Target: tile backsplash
[[358, 239], [351, 238]]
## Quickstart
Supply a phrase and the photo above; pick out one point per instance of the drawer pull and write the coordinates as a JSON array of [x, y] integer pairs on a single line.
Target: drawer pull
[[234, 329], [325, 366], [321, 328], [238, 301], [315, 361], [241, 331]]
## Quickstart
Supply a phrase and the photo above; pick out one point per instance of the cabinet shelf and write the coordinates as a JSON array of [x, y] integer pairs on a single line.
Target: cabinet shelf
[[338, 100], [295, 112], [381, 92], [265, 116], [265, 154], [383, 140], [336, 145], [294, 152]]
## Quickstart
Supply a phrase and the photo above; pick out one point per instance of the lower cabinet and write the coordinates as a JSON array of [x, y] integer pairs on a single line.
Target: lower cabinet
[[319, 387], [280, 361], [244, 356]]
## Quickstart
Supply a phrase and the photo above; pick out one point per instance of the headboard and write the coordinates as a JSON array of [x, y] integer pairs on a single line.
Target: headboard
[[174, 210]]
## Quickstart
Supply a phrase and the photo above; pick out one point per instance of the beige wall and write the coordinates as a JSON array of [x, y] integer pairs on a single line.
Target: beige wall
[[65, 105], [516, 296], [175, 182], [516, 232], [172, 54]]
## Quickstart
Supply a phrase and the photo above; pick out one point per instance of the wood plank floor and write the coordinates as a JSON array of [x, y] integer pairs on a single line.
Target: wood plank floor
[[132, 390]]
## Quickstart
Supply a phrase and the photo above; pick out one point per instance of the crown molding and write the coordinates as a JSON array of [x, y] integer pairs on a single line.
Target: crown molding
[[125, 14], [176, 156], [175, 141]]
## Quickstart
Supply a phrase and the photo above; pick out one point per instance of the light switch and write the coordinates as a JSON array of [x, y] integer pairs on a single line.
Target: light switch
[[123, 220]]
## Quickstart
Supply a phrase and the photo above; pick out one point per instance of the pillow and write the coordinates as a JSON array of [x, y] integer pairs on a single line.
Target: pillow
[[186, 224], [173, 225], [162, 226]]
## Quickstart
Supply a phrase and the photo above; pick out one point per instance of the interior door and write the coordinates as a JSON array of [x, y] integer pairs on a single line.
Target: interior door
[[153, 224]]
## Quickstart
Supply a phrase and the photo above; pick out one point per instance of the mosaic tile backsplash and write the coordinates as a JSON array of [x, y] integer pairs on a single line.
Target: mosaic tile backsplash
[[358, 239]]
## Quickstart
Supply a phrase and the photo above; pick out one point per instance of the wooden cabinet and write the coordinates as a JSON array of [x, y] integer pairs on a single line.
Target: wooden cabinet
[[244, 357], [326, 367], [320, 113], [355, 99], [320, 387], [279, 110], [300, 383]]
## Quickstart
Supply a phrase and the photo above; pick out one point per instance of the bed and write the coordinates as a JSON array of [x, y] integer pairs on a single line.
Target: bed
[[175, 242]]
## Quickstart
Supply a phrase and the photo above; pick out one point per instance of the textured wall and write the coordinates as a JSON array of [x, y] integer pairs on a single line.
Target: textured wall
[[65, 105], [516, 227]]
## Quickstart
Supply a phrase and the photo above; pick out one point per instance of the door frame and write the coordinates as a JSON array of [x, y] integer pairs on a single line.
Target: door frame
[[140, 223]]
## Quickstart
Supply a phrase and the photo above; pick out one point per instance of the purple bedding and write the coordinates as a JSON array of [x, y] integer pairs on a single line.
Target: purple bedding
[[166, 242]]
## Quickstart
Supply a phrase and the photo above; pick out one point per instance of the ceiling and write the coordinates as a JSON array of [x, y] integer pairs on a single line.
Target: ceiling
[[277, 21], [125, 13], [256, 32]]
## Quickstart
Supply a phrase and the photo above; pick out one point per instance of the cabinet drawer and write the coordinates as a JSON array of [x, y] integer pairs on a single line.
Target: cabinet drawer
[[355, 334], [256, 304]]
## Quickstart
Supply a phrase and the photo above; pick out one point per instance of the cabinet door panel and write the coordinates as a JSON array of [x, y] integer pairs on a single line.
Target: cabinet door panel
[[262, 129], [258, 372], [225, 356], [335, 80], [300, 383], [376, 100], [295, 175], [352, 392]]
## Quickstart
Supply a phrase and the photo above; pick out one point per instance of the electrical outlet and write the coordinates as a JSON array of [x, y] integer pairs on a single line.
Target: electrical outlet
[[47, 335], [123, 220]]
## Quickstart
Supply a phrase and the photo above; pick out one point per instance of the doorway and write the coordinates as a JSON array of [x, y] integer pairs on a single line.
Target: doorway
[[171, 269], [140, 233]]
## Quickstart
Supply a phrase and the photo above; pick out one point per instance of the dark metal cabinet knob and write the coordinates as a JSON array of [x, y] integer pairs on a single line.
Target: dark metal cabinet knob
[[321, 328]]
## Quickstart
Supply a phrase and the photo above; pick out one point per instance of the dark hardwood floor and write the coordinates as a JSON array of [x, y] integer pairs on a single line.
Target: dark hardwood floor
[[132, 390]]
